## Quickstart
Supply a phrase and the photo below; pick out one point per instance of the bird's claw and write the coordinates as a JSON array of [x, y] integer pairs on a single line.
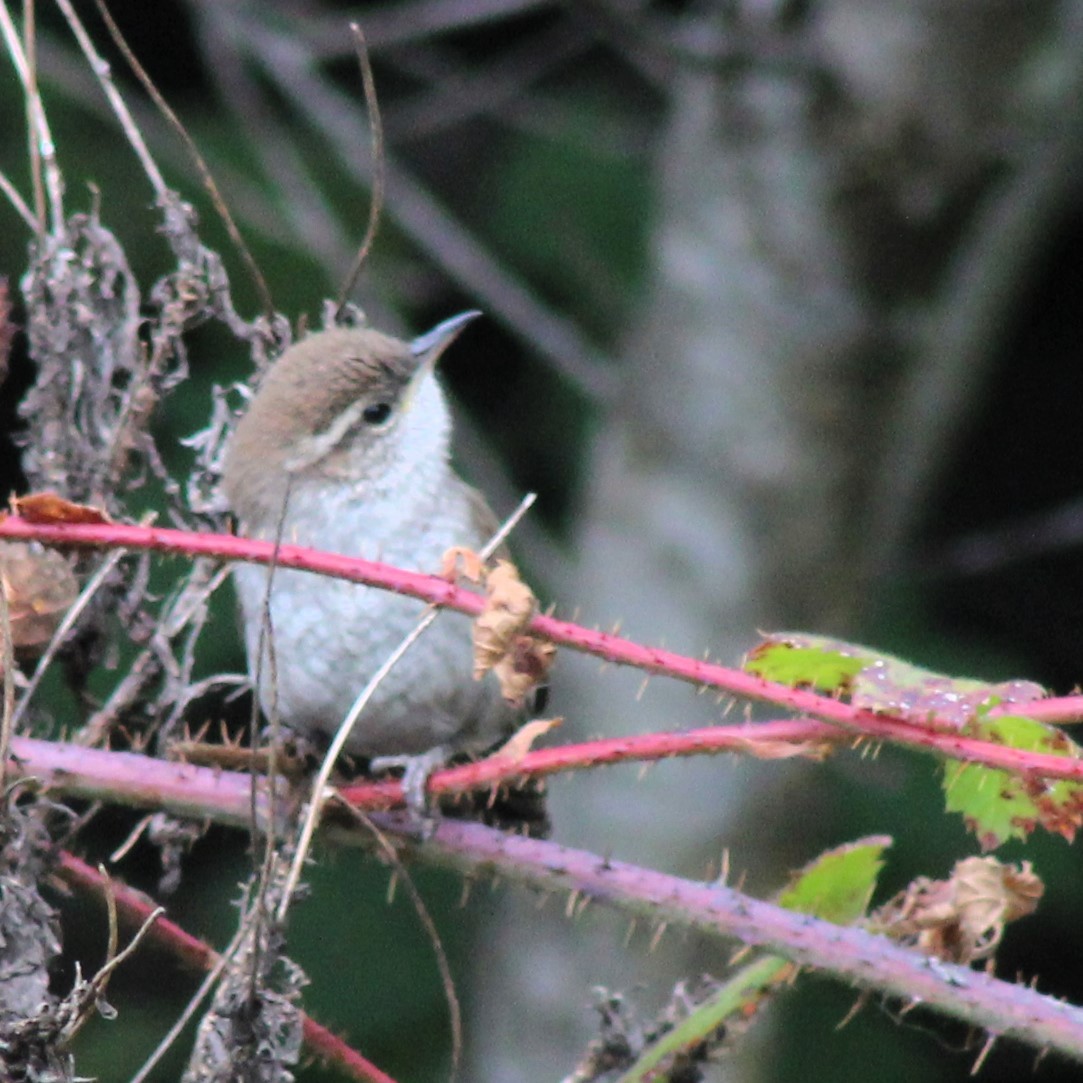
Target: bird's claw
[[415, 777]]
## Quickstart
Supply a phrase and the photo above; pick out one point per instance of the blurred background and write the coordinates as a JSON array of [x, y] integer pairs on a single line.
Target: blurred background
[[783, 316]]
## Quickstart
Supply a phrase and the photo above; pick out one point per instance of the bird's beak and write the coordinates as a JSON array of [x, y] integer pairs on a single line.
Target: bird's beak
[[428, 347]]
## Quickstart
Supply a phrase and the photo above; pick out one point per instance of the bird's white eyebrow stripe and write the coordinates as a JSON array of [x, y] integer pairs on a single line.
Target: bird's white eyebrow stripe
[[325, 441]]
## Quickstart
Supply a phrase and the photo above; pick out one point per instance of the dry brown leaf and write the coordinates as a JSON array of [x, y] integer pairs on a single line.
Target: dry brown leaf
[[962, 919], [509, 606], [462, 563], [519, 661], [40, 587], [787, 750], [521, 742], [525, 666], [49, 507]]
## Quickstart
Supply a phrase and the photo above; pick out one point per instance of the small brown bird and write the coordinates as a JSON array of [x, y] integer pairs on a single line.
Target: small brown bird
[[345, 447]]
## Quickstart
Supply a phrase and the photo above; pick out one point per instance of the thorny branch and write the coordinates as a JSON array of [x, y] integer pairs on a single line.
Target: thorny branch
[[605, 645], [860, 958]]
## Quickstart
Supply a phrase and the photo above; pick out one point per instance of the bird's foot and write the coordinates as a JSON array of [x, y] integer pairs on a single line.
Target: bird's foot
[[415, 776]]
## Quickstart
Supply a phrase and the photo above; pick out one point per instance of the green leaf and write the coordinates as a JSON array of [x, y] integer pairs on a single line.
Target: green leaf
[[804, 666], [838, 885], [998, 805], [881, 682]]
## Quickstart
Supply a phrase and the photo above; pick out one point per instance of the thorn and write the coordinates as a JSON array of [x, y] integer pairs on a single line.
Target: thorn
[[122, 850], [642, 689], [859, 1003], [641, 774], [617, 625], [632, 926], [573, 899], [727, 710], [575, 615], [464, 895], [583, 903], [986, 1049], [906, 1009], [724, 872], [392, 884], [550, 609], [543, 898], [743, 952], [657, 937], [740, 885]]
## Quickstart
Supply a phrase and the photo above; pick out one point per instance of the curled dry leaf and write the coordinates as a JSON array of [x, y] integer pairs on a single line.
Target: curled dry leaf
[[509, 606], [524, 666], [522, 741], [962, 919], [49, 507], [520, 661], [39, 586], [462, 563]]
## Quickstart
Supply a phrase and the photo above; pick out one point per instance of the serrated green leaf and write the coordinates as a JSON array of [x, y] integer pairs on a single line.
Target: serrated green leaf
[[880, 682], [838, 885], [804, 666], [998, 805]]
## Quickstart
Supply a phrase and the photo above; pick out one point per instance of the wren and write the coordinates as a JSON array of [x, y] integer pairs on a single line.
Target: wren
[[345, 447]]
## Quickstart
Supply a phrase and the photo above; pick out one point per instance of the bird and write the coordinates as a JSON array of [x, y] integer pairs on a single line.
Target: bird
[[345, 446]]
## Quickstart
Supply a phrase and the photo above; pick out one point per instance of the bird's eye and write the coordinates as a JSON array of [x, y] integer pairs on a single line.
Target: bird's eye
[[377, 413]]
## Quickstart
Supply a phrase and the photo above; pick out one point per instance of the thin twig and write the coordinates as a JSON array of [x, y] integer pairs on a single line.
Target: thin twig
[[7, 660], [135, 908], [18, 202], [191, 1007], [320, 789], [99, 983], [30, 40], [422, 911], [100, 67], [42, 148], [376, 199], [266, 642], [289, 63], [197, 159]]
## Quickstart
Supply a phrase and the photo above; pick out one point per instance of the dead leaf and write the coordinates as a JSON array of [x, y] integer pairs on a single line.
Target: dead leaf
[[509, 606], [787, 750], [462, 563], [49, 507], [40, 587], [525, 666], [962, 919], [521, 742]]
